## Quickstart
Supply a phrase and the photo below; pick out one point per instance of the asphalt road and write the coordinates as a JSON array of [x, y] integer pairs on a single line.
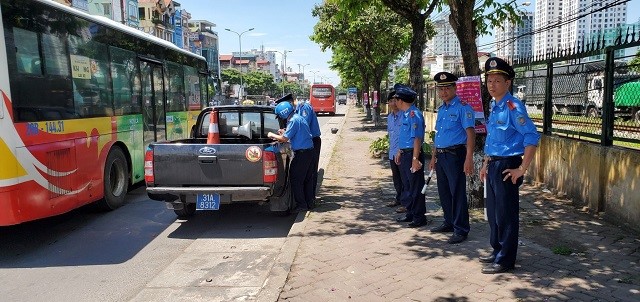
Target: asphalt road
[[141, 252]]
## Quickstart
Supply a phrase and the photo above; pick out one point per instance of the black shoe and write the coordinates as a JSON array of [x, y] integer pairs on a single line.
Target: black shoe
[[404, 219], [495, 268], [488, 259], [393, 204], [456, 238], [417, 224], [443, 228]]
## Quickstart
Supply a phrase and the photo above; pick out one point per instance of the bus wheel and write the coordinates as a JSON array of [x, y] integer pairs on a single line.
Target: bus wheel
[[116, 180], [636, 115], [592, 112], [187, 210]]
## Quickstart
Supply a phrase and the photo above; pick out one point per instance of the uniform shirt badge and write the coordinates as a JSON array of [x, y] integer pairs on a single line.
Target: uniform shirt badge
[[521, 120], [469, 115]]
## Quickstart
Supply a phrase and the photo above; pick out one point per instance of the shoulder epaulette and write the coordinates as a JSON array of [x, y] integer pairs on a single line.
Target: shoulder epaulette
[[511, 105]]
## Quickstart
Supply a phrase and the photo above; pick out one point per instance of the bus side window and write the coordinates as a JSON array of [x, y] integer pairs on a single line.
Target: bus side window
[[27, 54]]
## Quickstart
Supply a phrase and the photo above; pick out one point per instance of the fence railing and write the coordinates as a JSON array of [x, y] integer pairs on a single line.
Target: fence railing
[[590, 93]]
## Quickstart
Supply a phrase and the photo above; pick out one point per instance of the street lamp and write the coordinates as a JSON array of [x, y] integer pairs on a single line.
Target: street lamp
[[314, 75], [284, 66], [240, 42], [301, 84]]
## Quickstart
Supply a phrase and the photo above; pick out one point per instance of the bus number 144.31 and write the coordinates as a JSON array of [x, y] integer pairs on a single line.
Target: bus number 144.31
[[50, 127]]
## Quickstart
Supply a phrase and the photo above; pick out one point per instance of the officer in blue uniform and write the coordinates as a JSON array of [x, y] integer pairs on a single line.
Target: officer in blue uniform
[[305, 110], [298, 134], [393, 129], [511, 144], [453, 148], [410, 157]]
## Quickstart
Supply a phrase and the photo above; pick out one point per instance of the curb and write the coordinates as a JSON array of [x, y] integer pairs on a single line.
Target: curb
[[279, 272]]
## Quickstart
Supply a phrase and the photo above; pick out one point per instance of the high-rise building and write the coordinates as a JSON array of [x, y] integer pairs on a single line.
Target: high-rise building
[[515, 40], [564, 24], [445, 41]]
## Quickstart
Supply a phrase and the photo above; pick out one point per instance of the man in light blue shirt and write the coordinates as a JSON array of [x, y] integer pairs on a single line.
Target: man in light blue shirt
[[453, 157], [511, 144], [394, 121]]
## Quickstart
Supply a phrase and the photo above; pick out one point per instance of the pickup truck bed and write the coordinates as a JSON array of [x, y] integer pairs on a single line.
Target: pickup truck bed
[[245, 166]]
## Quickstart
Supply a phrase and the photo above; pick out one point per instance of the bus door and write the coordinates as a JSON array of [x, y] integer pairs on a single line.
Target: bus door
[[153, 100]]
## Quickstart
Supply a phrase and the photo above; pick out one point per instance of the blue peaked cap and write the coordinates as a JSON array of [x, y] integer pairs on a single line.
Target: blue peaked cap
[[405, 93]]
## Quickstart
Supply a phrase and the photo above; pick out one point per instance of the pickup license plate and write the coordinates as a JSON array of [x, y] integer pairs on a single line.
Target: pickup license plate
[[208, 202]]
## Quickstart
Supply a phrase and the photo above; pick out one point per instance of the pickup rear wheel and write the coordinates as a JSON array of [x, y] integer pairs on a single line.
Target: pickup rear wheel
[[115, 180], [188, 210]]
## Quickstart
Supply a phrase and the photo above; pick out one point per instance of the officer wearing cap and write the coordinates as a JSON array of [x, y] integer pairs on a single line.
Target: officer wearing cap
[[305, 110], [298, 134], [410, 157], [393, 129], [510, 146], [453, 148]]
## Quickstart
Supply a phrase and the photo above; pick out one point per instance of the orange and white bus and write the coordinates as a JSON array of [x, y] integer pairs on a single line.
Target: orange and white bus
[[322, 98], [81, 98]]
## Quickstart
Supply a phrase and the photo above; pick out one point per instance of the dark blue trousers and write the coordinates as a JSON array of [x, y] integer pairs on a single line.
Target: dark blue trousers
[[300, 177], [397, 182], [452, 189], [503, 210], [317, 143], [412, 184]]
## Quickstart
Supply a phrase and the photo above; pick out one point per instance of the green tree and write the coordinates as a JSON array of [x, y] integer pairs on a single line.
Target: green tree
[[367, 40], [231, 76], [259, 83]]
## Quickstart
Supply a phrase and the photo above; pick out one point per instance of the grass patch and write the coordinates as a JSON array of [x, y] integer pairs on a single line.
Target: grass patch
[[562, 250]]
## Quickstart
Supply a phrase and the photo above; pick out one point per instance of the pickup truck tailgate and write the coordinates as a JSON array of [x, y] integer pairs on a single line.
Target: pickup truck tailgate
[[209, 165]]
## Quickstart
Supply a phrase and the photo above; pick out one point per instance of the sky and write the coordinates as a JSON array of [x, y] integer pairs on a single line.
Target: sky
[[286, 25], [278, 25]]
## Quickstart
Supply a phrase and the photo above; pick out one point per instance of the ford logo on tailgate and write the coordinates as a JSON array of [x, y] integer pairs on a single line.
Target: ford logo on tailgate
[[207, 151]]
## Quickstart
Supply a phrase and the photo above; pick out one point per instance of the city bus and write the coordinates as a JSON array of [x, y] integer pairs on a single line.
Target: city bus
[[322, 98], [82, 97]]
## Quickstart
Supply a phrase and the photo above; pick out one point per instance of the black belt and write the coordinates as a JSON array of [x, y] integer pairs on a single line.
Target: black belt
[[451, 149], [302, 150], [494, 158], [406, 150]]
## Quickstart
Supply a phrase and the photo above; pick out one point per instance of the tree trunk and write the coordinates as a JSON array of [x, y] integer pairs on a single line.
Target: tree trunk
[[461, 21], [417, 49]]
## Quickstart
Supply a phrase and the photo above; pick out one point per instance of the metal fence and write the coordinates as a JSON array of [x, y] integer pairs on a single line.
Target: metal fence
[[591, 92]]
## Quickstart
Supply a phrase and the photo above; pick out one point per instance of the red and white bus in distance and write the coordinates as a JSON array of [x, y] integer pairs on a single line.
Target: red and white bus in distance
[[322, 98]]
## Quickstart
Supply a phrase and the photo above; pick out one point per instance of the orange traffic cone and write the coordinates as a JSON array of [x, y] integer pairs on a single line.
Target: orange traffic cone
[[214, 133]]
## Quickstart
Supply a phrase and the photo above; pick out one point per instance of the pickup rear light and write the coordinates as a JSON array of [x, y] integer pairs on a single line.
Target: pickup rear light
[[148, 166], [270, 167]]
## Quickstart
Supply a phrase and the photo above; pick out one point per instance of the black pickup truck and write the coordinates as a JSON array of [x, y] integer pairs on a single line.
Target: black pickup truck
[[246, 166]]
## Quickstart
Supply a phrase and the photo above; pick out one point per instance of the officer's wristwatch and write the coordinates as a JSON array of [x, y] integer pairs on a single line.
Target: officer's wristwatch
[[521, 168], [415, 158]]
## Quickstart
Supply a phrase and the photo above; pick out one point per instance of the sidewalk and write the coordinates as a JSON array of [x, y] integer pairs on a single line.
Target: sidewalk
[[351, 249]]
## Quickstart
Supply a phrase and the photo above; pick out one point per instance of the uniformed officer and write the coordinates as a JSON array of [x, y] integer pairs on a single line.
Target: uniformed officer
[[393, 130], [300, 174], [453, 148], [305, 110], [410, 157], [510, 136]]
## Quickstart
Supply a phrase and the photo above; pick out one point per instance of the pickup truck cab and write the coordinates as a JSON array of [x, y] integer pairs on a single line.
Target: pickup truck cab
[[246, 166]]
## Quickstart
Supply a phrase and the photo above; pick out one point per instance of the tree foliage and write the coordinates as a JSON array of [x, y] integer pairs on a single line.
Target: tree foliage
[[364, 42]]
